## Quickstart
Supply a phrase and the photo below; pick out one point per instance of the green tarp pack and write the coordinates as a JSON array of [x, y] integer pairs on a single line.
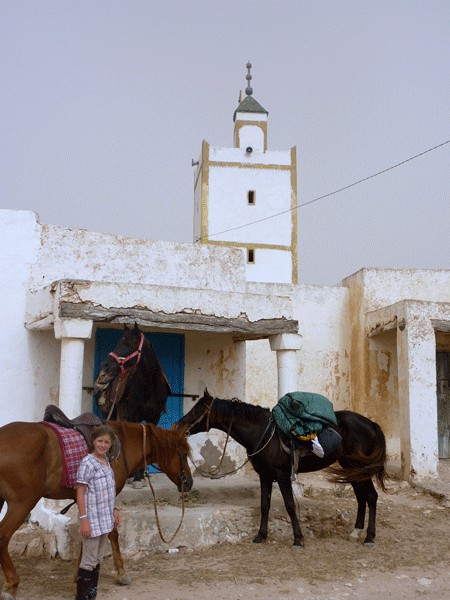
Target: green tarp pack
[[303, 413]]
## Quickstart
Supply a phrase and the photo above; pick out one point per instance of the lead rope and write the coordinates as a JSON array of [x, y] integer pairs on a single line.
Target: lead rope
[[213, 473], [147, 475]]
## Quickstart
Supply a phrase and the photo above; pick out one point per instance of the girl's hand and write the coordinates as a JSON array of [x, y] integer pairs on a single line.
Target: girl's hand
[[85, 528]]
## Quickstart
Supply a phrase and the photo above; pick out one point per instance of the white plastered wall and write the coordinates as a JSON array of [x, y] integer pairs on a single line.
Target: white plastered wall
[[218, 364], [28, 360], [393, 358], [322, 361], [229, 187]]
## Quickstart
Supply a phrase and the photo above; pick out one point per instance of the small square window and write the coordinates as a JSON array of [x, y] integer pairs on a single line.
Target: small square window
[[251, 197], [250, 255]]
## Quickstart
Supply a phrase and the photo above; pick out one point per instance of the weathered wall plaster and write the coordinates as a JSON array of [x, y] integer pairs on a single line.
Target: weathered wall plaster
[[388, 376]]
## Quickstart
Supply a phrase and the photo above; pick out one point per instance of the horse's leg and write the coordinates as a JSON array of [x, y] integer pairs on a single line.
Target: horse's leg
[[372, 498], [285, 486], [361, 514], [138, 477], [121, 578], [366, 494], [15, 516], [265, 484]]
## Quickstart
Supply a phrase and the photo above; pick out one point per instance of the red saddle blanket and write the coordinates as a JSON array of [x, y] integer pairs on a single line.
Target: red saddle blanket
[[73, 449]]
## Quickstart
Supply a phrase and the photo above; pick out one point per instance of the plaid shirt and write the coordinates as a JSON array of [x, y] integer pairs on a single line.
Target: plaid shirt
[[100, 494]]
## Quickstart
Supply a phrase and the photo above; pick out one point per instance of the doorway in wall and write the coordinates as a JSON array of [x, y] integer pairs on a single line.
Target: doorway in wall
[[443, 402], [169, 348]]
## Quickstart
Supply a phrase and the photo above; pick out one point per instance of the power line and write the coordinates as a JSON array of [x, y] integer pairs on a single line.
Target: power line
[[297, 206]]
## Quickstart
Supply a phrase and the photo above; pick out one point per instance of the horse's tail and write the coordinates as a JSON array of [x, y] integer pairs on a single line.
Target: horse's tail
[[358, 467]]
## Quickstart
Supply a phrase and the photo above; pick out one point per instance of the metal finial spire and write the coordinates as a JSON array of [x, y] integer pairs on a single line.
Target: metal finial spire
[[248, 77]]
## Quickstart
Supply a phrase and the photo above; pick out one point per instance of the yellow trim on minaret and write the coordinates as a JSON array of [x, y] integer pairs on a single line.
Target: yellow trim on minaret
[[238, 126], [240, 165], [250, 245], [294, 248], [204, 193]]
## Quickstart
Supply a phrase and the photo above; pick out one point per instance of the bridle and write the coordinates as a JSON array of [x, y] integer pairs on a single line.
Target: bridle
[[206, 413], [121, 360], [125, 373], [213, 473]]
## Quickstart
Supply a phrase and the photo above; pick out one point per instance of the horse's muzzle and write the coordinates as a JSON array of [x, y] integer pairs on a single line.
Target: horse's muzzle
[[186, 483], [102, 382]]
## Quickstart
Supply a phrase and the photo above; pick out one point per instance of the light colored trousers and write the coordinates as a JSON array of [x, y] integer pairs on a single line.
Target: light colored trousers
[[93, 551]]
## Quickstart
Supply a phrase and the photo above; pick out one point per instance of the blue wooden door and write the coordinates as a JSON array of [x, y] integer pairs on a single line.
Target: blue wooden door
[[169, 348]]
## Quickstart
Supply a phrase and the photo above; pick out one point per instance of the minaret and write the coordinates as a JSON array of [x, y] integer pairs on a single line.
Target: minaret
[[246, 196]]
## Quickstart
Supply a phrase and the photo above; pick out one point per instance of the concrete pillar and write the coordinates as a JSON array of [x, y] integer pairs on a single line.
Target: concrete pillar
[[286, 346], [72, 333], [416, 350]]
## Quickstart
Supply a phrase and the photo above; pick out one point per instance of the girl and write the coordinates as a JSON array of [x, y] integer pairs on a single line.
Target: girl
[[96, 492]]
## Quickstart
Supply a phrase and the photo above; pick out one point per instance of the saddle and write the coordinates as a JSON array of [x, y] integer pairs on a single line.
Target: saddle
[[306, 426], [84, 423]]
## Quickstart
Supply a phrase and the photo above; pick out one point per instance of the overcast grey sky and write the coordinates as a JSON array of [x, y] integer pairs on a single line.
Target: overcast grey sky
[[104, 104]]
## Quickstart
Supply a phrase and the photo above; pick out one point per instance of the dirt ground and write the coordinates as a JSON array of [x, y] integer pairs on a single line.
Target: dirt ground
[[409, 560]]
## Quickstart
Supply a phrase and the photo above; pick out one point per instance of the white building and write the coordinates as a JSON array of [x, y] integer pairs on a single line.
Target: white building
[[229, 308]]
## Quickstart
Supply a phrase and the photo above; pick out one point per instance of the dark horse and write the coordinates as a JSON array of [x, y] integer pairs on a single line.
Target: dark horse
[[131, 385], [362, 454], [131, 381], [31, 468]]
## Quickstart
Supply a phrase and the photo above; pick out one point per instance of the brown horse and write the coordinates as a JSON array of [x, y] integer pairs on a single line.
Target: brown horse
[[31, 468]]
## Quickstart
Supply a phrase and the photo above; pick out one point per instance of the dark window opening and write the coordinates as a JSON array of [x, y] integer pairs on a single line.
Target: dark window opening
[[250, 255], [251, 197]]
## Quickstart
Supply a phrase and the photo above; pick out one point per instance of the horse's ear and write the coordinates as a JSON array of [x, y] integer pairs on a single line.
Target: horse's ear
[[125, 327], [206, 393], [136, 326]]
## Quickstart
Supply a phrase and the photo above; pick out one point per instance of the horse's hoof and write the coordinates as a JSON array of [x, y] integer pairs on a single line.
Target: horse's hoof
[[123, 581], [298, 544], [355, 534], [258, 539], [369, 544], [138, 485], [6, 596]]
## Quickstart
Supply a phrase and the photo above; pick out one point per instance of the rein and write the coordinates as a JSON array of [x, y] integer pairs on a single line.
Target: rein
[[147, 476]]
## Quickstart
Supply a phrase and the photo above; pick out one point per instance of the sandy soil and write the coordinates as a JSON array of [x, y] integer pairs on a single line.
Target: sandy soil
[[409, 560]]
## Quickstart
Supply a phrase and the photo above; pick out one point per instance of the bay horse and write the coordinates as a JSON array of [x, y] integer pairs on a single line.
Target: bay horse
[[131, 385], [361, 454], [31, 469]]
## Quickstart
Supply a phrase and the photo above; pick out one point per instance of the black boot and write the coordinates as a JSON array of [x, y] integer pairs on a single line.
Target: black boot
[[84, 581], [94, 583]]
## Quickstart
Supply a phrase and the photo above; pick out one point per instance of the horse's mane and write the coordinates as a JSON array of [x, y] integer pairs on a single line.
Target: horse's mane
[[239, 409], [150, 359], [164, 440]]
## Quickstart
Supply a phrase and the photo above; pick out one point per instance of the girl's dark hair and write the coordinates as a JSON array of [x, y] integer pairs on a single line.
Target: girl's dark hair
[[99, 431]]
